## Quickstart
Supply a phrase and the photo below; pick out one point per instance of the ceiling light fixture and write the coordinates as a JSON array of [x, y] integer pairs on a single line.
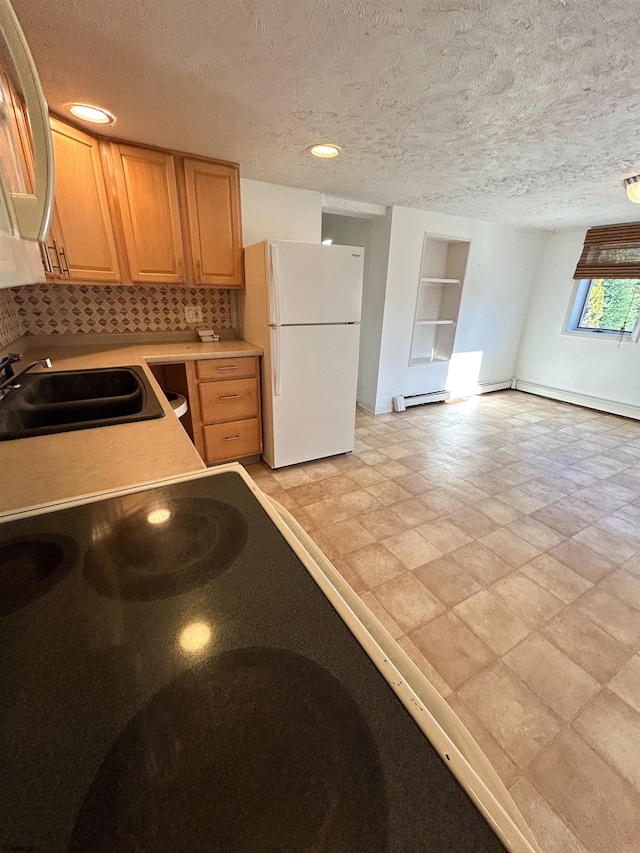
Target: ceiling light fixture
[[327, 242], [325, 149], [633, 188], [93, 114]]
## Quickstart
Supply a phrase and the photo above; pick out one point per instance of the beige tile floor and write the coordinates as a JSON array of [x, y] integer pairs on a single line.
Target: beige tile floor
[[498, 540]]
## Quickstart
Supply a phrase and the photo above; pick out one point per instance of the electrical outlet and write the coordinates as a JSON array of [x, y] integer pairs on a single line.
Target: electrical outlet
[[193, 313]]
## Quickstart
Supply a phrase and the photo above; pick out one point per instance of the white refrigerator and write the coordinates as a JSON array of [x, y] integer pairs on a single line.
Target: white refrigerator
[[302, 305]]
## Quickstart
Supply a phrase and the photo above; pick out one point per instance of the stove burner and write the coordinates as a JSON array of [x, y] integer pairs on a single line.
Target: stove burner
[[163, 548], [255, 751], [31, 566]]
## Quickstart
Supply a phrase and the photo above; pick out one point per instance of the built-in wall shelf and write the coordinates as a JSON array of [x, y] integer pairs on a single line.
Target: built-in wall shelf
[[427, 360], [439, 292]]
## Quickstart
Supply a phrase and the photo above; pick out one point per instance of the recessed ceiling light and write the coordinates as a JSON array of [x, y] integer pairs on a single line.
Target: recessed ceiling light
[[633, 188], [327, 242], [325, 149], [93, 114]]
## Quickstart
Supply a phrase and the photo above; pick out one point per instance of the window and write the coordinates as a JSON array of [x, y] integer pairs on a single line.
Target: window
[[606, 305], [607, 295]]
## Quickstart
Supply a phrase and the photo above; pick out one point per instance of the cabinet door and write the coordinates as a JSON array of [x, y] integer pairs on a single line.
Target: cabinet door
[[148, 196], [81, 243], [213, 205]]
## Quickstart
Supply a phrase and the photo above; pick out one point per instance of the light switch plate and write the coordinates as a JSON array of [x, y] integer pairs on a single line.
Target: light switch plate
[[193, 313]]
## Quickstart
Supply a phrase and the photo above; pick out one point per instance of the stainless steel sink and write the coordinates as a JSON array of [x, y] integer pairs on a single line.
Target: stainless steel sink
[[44, 403]]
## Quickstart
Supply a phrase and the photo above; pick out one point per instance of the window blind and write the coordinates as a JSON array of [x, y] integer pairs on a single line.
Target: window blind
[[611, 251]]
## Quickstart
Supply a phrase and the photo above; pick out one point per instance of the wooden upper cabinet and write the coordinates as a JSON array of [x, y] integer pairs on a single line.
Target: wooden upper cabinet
[[81, 242], [213, 207], [125, 213], [148, 197]]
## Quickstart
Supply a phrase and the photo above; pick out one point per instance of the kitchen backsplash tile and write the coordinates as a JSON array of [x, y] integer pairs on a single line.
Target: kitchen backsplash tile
[[61, 309], [10, 324]]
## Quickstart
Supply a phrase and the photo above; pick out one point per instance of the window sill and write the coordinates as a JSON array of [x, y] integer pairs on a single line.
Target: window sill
[[599, 336]]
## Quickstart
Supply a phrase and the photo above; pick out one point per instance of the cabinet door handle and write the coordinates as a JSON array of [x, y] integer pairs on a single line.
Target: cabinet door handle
[[63, 256], [57, 266], [233, 438], [198, 272], [231, 397], [232, 367], [181, 267]]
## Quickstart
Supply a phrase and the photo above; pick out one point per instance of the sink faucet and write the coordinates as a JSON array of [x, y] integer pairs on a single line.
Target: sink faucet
[[10, 376], [7, 362]]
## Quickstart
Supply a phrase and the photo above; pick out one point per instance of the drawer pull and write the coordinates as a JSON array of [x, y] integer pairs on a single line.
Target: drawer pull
[[231, 397], [231, 439], [231, 367]]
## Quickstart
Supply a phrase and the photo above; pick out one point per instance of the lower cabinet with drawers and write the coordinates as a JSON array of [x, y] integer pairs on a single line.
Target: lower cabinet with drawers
[[224, 395]]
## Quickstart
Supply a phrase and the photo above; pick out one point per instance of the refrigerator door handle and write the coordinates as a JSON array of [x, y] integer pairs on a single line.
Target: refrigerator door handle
[[275, 287], [276, 358]]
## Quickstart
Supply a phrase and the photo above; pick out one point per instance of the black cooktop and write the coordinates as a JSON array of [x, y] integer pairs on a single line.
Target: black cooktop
[[174, 680]]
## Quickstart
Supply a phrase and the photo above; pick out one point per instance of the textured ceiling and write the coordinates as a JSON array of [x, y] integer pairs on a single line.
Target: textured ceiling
[[518, 112]]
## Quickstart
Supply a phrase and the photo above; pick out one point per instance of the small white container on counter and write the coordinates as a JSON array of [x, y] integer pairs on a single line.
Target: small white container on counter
[[208, 336]]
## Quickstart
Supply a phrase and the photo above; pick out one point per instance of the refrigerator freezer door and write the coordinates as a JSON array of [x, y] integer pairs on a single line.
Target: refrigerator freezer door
[[314, 283], [315, 371]]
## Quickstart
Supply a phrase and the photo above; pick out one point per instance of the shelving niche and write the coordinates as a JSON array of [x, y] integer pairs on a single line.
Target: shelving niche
[[442, 272]]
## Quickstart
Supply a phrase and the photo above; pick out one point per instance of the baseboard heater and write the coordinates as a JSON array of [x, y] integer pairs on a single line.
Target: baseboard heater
[[400, 403]]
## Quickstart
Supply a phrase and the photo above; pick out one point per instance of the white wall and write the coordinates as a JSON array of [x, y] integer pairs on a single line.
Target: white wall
[[573, 365], [348, 231], [500, 270], [373, 236], [373, 313], [508, 269], [274, 212]]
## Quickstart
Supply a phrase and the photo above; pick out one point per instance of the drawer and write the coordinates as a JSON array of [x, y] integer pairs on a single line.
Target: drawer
[[227, 368], [232, 440], [228, 400]]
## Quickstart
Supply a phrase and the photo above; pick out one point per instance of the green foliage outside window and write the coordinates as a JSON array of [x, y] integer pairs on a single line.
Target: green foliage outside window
[[611, 304]]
